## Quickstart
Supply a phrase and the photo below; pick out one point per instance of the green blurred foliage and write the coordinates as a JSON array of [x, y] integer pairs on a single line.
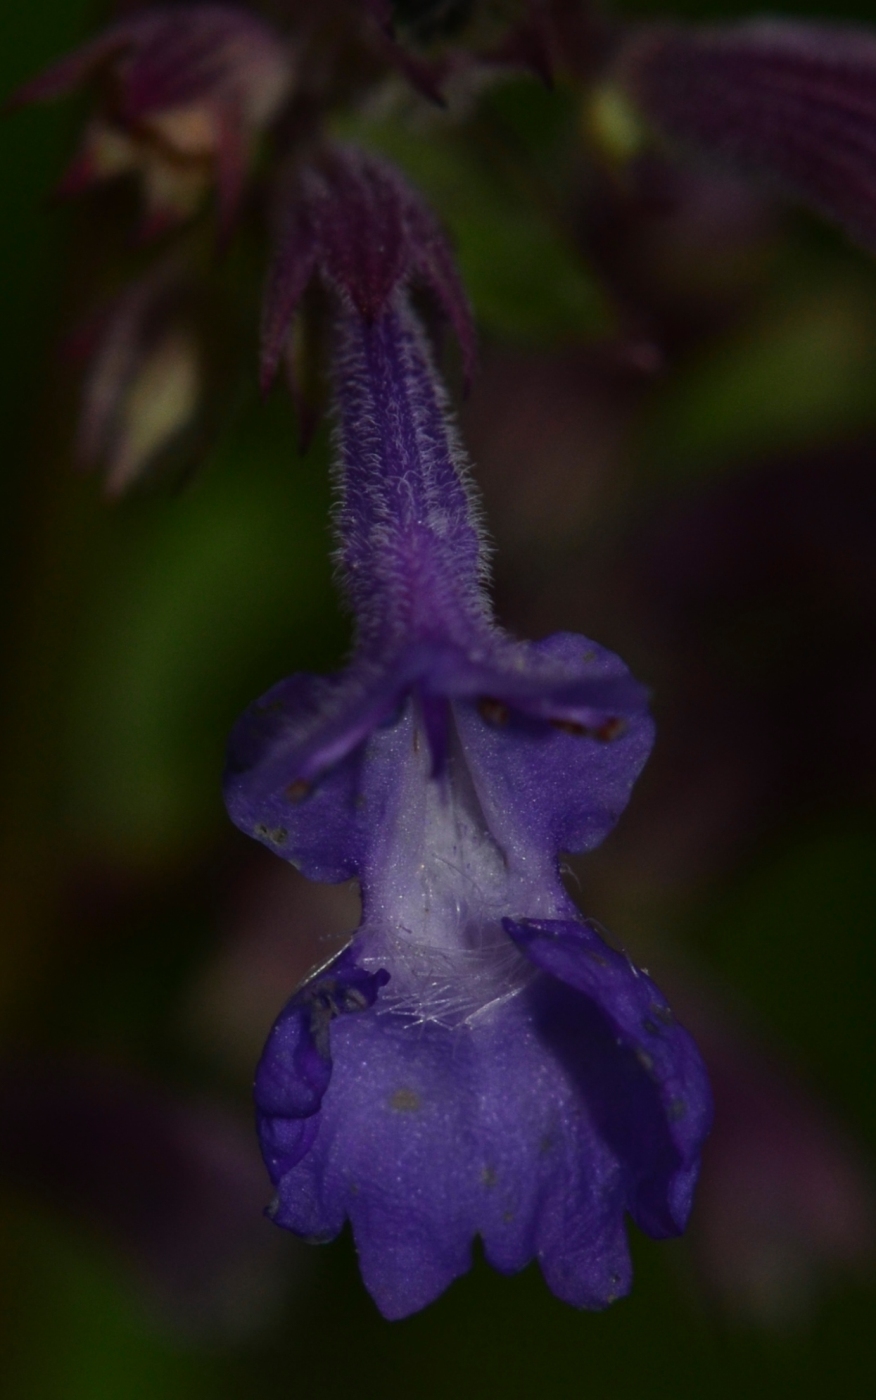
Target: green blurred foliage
[[203, 600], [79, 1331], [795, 937], [797, 372], [32, 150], [527, 281]]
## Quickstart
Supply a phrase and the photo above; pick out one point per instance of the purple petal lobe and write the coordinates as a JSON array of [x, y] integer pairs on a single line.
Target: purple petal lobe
[[315, 825], [794, 102], [565, 679], [534, 1125], [654, 1100], [296, 1066], [550, 780]]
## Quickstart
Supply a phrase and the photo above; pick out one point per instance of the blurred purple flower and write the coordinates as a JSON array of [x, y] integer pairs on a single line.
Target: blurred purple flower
[[186, 89], [793, 102], [478, 1061]]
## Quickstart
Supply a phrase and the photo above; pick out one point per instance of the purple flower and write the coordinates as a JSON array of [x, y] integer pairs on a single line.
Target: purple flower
[[187, 89], [478, 1061], [795, 103]]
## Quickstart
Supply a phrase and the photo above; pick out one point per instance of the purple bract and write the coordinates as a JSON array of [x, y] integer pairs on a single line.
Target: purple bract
[[478, 1061], [327, 209]]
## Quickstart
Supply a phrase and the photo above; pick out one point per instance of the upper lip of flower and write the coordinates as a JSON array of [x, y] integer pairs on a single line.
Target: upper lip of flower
[[370, 691]]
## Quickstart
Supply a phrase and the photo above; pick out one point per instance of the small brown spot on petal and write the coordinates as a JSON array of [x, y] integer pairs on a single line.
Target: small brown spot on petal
[[569, 726], [297, 791], [611, 729], [493, 711], [405, 1101]]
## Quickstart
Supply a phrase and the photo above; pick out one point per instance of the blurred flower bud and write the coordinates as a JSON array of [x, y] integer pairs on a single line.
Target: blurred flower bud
[[611, 123], [144, 385], [185, 92]]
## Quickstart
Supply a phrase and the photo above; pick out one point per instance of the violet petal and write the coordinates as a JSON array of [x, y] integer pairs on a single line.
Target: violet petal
[[655, 1104], [317, 826], [428, 1137], [296, 1066], [558, 783]]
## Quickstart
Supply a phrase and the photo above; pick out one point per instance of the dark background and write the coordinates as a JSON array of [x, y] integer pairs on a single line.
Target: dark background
[[710, 512]]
